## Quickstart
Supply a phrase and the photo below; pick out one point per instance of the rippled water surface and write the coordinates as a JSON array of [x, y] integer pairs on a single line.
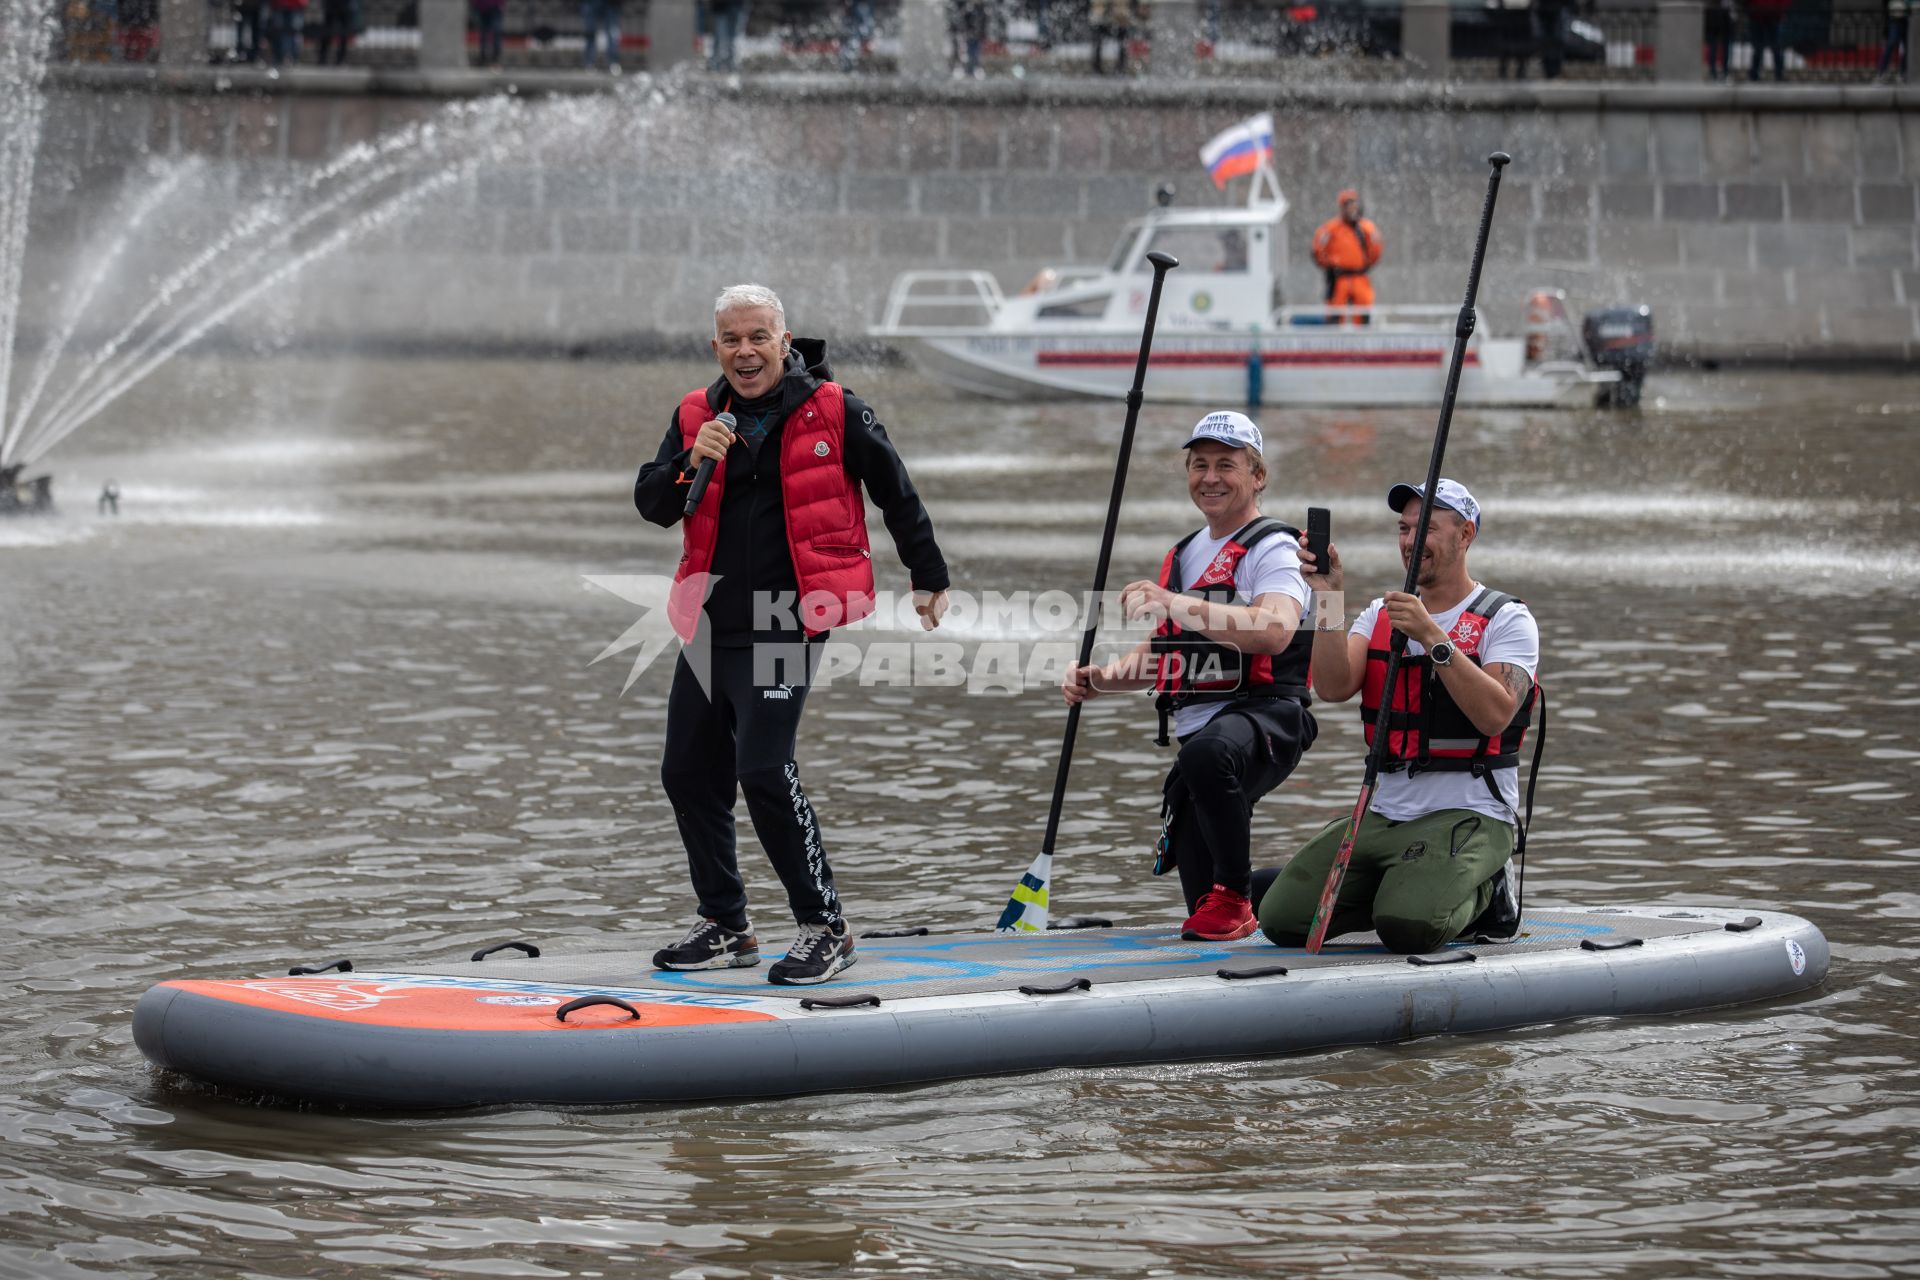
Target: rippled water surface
[[326, 687]]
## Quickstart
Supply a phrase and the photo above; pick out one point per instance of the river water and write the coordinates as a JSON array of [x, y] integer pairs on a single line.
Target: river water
[[325, 687]]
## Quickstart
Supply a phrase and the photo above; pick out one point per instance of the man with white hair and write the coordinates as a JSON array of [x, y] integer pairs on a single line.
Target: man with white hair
[[1230, 663], [775, 554], [1430, 859]]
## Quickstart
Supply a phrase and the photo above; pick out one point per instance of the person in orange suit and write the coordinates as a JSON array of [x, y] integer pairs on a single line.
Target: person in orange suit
[[1346, 247]]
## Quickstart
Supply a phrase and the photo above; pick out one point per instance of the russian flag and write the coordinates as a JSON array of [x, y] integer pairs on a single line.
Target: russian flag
[[1238, 151]]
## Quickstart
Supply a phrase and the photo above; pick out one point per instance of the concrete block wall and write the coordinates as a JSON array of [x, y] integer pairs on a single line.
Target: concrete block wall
[[1758, 223]]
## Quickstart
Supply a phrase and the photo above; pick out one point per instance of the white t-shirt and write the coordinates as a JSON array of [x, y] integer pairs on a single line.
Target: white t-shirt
[[1273, 566], [1512, 637]]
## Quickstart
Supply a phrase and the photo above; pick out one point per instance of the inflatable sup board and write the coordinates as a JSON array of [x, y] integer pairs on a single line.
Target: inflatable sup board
[[505, 1026]]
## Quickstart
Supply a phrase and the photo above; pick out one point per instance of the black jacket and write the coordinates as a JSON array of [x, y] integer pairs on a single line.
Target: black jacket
[[750, 556]]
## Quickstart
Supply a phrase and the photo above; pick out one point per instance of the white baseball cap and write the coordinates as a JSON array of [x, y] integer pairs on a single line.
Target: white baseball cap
[[1450, 494], [1228, 428]]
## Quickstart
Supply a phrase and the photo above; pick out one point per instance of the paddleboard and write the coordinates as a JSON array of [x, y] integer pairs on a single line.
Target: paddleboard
[[505, 1026]]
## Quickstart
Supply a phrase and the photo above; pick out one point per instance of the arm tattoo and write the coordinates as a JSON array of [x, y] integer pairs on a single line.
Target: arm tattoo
[[1517, 681]]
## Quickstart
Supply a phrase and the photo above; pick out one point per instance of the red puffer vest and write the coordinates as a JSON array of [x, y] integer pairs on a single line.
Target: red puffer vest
[[1426, 728], [826, 518]]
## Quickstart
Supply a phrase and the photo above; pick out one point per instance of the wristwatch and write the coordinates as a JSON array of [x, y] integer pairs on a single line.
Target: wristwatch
[[1441, 653]]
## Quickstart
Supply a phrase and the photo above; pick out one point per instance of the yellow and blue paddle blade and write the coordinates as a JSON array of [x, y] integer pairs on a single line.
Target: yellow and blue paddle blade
[[1027, 909]]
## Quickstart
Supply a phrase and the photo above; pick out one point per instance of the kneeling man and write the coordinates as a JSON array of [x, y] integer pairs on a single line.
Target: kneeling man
[[1429, 862], [1230, 663]]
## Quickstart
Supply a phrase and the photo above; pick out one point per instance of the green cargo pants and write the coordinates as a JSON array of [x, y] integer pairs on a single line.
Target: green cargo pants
[[1417, 884]]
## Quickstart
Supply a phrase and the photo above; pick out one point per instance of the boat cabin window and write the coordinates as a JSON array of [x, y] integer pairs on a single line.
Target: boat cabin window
[[1217, 249], [1079, 309]]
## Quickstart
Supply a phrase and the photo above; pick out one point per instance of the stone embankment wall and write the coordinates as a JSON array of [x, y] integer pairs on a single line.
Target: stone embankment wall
[[1759, 223]]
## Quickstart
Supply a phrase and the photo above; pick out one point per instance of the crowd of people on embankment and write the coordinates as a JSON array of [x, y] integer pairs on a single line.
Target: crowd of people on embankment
[[1110, 34]]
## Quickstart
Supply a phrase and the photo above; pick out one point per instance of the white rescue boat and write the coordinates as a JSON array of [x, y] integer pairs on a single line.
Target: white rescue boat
[[1221, 338]]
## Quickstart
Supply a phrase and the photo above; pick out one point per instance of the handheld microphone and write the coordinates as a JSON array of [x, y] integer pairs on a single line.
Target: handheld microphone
[[698, 489]]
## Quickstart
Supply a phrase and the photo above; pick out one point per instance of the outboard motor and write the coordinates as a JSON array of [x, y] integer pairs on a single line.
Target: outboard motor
[[1621, 338], [24, 496]]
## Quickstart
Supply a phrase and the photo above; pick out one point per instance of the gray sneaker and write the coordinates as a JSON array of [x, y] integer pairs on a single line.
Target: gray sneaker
[[815, 956], [711, 945]]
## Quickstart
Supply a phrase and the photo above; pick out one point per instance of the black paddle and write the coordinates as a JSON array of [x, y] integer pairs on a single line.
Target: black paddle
[[1377, 754], [1027, 906]]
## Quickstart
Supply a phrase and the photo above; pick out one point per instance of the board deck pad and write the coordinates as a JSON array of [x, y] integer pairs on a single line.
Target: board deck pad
[[968, 963]]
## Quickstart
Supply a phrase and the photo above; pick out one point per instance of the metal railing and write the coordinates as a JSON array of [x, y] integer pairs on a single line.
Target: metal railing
[[1820, 41], [535, 33], [383, 32], [1824, 44], [1578, 42], [541, 33], [940, 300], [106, 31], [1285, 40]]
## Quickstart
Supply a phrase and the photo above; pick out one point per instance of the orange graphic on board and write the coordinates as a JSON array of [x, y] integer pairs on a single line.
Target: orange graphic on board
[[374, 1003]]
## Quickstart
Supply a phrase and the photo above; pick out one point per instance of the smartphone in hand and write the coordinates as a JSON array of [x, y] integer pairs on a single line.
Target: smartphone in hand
[[1319, 534]]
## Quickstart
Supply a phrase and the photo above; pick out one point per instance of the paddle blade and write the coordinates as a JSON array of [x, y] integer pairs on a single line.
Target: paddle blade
[[1027, 909]]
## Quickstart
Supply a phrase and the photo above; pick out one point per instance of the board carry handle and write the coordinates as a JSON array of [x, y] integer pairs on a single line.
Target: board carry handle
[[533, 952], [1445, 957], [1744, 926], [1065, 988], [1080, 922], [343, 964], [587, 1002], [918, 931], [1617, 944], [1265, 971], [861, 1000]]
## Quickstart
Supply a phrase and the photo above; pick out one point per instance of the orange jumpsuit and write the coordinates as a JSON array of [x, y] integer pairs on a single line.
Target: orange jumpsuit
[[1346, 251]]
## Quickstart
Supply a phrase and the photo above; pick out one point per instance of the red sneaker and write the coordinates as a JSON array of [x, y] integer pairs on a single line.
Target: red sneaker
[[1223, 916]]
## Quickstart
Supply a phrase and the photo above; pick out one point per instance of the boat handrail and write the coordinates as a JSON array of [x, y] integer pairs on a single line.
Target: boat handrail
[[964, 291], [1419, 316]]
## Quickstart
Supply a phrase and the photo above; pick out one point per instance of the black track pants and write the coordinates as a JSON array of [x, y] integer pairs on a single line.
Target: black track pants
[[1222, 771], [741, 737]]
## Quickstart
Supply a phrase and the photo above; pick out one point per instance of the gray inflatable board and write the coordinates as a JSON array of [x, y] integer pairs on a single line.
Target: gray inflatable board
[[496, 1029]]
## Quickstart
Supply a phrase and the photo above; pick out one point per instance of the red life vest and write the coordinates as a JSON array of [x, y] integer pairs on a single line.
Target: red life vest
[[1194, 668], [826, 518], [1426, 727]]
